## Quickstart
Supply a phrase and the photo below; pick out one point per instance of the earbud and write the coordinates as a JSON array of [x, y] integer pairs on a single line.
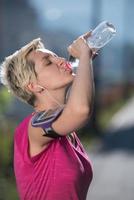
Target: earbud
[[41, 87]]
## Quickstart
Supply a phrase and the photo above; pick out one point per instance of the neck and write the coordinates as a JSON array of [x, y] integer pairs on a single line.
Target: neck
[[50, 100]]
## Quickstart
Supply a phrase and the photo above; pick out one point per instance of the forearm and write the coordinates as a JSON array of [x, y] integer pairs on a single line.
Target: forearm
[[82, 91]]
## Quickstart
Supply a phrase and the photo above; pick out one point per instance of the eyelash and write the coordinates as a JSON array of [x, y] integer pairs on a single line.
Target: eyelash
[[49, 62]]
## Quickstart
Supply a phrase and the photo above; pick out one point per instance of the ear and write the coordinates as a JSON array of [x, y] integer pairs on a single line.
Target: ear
[[32, 87]]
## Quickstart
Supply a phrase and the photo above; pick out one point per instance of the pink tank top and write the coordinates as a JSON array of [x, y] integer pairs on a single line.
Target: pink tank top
[[60, 172]]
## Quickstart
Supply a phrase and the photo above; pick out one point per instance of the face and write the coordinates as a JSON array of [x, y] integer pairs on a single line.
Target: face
[[52, 71]]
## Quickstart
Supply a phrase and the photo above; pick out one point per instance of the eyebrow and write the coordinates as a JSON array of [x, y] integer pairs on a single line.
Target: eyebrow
[[45, 57]]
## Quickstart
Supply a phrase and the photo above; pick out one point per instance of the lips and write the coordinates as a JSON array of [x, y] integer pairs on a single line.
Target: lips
[[68, 66]]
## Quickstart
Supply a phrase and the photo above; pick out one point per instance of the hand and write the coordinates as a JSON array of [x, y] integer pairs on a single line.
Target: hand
[[94, 51], [94, 54], [80, 46]]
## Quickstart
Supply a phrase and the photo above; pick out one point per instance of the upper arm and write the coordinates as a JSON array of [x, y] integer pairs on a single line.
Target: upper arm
[[70, 121], [62, 123]]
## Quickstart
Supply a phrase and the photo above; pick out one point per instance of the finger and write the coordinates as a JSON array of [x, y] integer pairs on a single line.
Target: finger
[[94, 55], [95, 50], [88, 34], [70, 50]]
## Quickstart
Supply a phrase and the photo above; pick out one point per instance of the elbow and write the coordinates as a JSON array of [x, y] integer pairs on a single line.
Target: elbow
[[85, 112], [88, 112]]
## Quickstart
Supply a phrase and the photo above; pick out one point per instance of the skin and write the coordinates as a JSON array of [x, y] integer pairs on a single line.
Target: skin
[[53, 75], [53, 79]]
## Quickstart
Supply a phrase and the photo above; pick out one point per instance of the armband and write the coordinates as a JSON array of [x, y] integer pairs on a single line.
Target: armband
[[44, 120]]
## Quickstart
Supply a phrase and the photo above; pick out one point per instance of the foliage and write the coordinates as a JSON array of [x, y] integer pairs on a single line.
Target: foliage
[[8, 188], [7, 182], [5, 99]]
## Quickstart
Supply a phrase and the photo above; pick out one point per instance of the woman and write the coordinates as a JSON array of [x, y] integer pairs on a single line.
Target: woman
[[49, 160]]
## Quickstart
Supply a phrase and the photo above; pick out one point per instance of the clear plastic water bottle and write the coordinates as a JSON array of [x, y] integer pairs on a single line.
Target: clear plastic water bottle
[[100, 36]]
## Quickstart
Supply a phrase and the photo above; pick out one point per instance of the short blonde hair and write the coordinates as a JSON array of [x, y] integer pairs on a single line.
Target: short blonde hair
[[16, 71]]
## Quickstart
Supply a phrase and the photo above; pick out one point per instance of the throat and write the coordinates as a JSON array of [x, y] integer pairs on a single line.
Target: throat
[[51, 100]]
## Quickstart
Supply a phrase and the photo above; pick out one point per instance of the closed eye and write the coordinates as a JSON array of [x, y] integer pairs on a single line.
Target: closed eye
[[48, 62]]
